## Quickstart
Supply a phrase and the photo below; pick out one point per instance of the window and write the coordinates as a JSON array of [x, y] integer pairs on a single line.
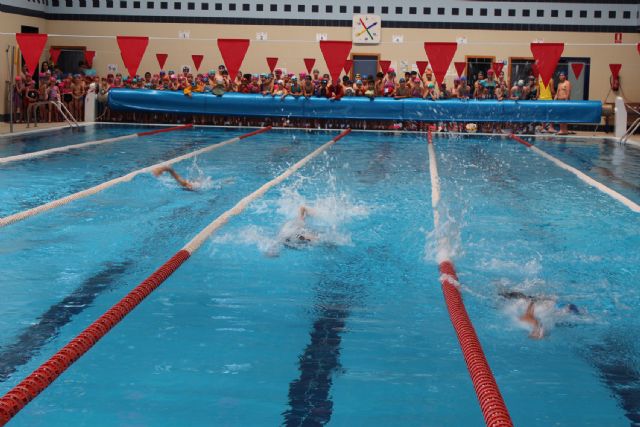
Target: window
[[455, 11], [426, 11], [384, 10], [273, 8], [540, 13], [568, 14], [526, 12], [497, 12], [96, 3], [398, 10], [441, 11], [136, 5], [109, 4], [554, 13], [55, 3], [204, 6], [69, 3], [287, 8], [83, 3], [328, 8], [164, 5], [232, 6], [343, 9], [583, 14], [370, 9], [356, 9], [218, 6], [123, 4], [469, 11], [177, 6], [246, 7], [612, 14], [315, 8], [597, 14], [626, 14], [413, 10], [483, 12], [301, 8], [259, 7]]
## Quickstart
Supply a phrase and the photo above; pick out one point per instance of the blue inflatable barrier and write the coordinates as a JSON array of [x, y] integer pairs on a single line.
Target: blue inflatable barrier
[[415, 109]]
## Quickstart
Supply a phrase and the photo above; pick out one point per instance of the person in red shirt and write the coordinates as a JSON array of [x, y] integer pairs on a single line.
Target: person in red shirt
[[336, 90]]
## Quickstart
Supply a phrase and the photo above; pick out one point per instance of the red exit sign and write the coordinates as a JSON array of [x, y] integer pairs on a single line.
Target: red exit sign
[[617, 38]]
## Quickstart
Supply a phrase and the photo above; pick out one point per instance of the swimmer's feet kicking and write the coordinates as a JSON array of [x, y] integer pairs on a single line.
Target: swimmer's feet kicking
[[183, 182]]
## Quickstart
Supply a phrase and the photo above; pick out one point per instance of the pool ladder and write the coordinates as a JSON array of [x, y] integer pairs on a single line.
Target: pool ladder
[[632, 129], [62, 109]]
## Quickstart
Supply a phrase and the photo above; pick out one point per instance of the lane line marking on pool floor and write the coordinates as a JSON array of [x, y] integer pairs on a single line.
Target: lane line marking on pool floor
[[42, 153], [493, 408], [31, 386], [19, 216], [581, 175]]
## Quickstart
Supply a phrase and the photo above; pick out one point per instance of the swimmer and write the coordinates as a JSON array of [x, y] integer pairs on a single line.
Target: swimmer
[[183, 182], [530, 318], [294, 234]]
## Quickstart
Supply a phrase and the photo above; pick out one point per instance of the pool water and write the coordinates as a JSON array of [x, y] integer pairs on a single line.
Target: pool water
[[350, 329]]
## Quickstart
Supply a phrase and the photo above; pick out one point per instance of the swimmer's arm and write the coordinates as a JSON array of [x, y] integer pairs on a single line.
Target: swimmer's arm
[[537, 332], [183, 182]]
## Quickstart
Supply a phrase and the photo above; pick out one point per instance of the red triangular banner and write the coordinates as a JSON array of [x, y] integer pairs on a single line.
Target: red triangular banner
[[638, 46], [615, 70], [577, 68], [162, 59], [54, 54], [460, 66], [547, 56], [335, 54], [88, 57], [233, 52], [31, 46], [384, 65], [309, 63], [272, 62], [497, 67], [440, 55], [422, 66], [347, 65], [132, 50], [197, 60]]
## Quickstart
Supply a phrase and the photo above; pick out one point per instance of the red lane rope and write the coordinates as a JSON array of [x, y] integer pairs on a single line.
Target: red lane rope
[[153, 132], [520, 140], [18, 397], [255, 132], [492, 405]]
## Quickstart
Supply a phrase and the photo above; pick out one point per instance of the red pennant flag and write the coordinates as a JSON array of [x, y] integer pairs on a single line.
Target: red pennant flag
[[88, 57], [422, 66], [547, 56], [54, 54], [309, 63], [132, 50], [384, 66], [577, 69], [31, 46], [347, 65], [335, 54], [233, 52], [440, 55], [638, 46], [197, 60], [460, 66], [272, 62], [162, 59], [497, 67], [615, 70], [535, 70]]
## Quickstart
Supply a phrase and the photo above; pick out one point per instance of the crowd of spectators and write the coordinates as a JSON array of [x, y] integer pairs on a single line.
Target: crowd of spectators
[[70, 89]]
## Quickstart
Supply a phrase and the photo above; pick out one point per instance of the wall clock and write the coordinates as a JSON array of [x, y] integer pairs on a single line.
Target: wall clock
[[366, 29]]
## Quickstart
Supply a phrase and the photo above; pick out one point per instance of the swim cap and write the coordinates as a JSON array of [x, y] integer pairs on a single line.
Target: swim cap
[[294, 78], [358, 82], [490, 72], [18, 78], [520, 82], [391, 70], [431, 85], [402, 80]]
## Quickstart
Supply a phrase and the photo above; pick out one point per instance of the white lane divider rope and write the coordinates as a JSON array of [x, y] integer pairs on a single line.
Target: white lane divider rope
[[581, 175], [42, 153], [100, 187], [200, 238]]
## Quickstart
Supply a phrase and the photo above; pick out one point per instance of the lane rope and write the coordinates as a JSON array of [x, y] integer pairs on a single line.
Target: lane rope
[[30, 387], [581, 175], [19, 216], [42, 153], [493, 408]]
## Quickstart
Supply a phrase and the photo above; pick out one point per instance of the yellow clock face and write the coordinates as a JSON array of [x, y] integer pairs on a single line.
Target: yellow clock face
[[366, 29]]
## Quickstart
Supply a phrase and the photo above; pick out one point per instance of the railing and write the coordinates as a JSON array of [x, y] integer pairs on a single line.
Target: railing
[[632, 129], [62, 109]]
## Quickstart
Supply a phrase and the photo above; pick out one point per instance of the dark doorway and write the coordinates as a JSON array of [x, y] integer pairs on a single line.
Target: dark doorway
[[69, 59], [477, 64], [520, 68], [365, 65]]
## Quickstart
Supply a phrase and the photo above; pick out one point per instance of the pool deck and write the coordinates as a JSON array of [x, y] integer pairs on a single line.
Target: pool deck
[[22, 127]]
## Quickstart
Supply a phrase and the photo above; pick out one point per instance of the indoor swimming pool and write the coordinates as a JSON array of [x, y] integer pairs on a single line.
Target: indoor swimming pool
[[349, 328]]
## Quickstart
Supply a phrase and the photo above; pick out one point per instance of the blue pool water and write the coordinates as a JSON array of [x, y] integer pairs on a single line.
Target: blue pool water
[[350, 330]]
